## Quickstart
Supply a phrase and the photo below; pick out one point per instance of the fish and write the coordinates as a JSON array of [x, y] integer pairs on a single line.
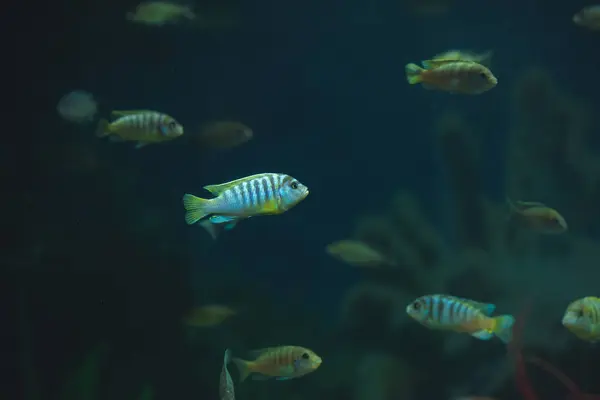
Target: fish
[[208, 316], [588, 17], [453, 76], [78, 107], [224, 134], [141, 126], [357, 253], [537, 217], [226, 387], [159, 13], [281, 363], [445, 312], [260, 194], [465, 55], [582, 318]]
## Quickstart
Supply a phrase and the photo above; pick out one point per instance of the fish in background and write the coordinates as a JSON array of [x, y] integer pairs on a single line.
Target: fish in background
[[445, 312], [281, 363], [226, 388], [208, 316], [142, 126], [357, 253], [582, 318], [537, 216], [223, 134], [453, 76], [159, 13], [78, 106], [260, 194], [588, 17]]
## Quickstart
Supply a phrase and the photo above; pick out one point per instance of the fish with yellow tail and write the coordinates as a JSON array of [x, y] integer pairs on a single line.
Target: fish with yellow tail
[[537, 217], [281, 363], [453, 76], [444, 312], [141, 126], [582, 318], [260, 194], [226, 388]]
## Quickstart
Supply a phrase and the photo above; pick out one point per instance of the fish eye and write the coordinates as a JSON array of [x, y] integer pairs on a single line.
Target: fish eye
[[172, 124], [305, 356], [416, 305], [294, 186], [483, 75]]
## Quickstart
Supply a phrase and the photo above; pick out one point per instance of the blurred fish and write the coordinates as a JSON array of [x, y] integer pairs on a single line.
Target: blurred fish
[[588, 17], [208, 316], [159, 13], [465, 55], [260, 194], [452, 76], [582, 318], [226, 388], [444, 312], [282, 363], [224, 134], [357, 253], [78, 107], [537, 216], [142, 126]]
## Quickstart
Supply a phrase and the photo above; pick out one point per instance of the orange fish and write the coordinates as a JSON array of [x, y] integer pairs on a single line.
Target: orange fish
[[224, 134], [589, 17], [208, 316], [282, 363], [537, 217], [454, 76]]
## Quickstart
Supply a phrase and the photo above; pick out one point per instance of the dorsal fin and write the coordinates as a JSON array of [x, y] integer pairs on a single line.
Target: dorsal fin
[[428, 64], [118, 113], [221, 187]]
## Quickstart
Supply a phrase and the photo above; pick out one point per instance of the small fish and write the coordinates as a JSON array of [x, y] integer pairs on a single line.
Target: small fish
[[537, 217], [454, 76], [444, 312], [260, 194], [142, 126], [78, 107], [208, 316], [226, 388], [588, 17], [282, 363], [224, 134], [357, 253], [465, 55], [582, 318], [159, 13]]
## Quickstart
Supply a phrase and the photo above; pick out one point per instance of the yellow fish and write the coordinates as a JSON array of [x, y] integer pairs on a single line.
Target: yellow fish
[[582, 318], [282, 363], [141, 126], [260, 194], [158, 13], [588, 17], [453, 76], [538, 217]]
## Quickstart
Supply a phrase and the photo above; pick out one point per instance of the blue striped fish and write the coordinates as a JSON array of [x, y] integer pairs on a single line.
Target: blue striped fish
[[261, 194], [440, 311], [141, 126]]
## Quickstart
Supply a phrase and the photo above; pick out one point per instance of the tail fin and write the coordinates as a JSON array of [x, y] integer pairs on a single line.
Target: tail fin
[[413, 73], [102, 130], [503, 329], [195, 207], [243, 368]]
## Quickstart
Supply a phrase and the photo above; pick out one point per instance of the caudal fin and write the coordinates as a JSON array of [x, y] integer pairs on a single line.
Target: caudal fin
[[504, 325], [243, 367], [413, 73], [195, 207], [102, 130]]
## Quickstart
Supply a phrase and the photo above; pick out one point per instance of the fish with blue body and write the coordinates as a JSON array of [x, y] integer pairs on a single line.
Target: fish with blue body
[[445, 312]]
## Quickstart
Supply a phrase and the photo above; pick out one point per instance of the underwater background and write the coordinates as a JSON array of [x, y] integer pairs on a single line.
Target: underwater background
[[102, 267]]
